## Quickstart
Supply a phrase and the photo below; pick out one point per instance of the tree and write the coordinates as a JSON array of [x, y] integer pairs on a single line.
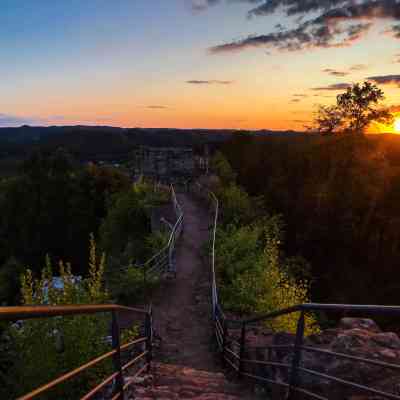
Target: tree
[[222, 168], [53, 193], [328, 119], [9, 281], [354, 110]]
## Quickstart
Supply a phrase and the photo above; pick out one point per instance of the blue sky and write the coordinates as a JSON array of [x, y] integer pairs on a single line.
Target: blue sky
[[112, 62]]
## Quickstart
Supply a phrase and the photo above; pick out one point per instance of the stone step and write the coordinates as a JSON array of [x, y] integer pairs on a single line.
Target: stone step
[[172, 382]]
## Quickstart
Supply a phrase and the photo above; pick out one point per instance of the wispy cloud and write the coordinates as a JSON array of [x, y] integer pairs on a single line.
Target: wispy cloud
[[345, 72], [358, 67], [385, 79], [333, 87], [379, 79], [200, 5], [306, 36], [156, 107], [301, 121], [209, 82], [331, 23], [334, 72]]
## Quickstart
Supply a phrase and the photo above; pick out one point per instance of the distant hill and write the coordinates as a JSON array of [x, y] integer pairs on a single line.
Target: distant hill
[[88, 142]]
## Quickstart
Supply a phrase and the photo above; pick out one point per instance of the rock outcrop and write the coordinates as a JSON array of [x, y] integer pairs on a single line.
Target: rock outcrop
[[360, 338]]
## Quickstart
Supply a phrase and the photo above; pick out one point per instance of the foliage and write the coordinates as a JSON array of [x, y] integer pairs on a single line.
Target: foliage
[[126, 236], [222, 168], [47, 348], [51, 191], [328, 119], [236, 205], [338, 196], [128, 220], [156, 241], [253, 277], [9, 281], [129, 285], [354, 110]]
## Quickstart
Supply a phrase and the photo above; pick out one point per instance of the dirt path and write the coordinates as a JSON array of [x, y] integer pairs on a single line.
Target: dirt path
[[182, 306]]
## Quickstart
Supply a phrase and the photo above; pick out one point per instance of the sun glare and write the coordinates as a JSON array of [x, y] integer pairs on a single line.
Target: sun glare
[[396, 125]]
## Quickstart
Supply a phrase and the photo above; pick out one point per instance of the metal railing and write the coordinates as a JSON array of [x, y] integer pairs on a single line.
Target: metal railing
[[233, 349], [141, 360], [164, 260]]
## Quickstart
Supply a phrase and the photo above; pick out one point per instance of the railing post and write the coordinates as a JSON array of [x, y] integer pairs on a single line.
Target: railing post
[[171, 255], [115, 331], [242, 349], [145, 284], [224, 332], [294, 379], [149, 338]]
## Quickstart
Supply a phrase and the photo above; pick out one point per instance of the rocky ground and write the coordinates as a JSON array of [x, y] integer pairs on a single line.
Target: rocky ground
[[355, 337]]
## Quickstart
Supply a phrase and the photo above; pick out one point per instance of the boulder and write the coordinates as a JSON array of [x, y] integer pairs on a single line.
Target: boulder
[[361, 323], [355, 337]]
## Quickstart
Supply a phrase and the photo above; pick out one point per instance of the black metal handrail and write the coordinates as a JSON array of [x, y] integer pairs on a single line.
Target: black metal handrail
[[30, 312], [237, 359]]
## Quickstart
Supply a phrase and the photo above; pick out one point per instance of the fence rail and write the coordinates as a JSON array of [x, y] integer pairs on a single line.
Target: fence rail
[[164, 260], [233, 352], [117, 377]]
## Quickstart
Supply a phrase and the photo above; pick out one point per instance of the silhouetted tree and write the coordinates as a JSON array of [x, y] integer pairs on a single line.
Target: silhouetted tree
[[328, 119], [354, 110]]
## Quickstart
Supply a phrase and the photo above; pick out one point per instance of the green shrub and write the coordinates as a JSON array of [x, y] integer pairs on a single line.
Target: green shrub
[[253, 275], [128, 286], [222, 168], [46, 348], [236, 205]]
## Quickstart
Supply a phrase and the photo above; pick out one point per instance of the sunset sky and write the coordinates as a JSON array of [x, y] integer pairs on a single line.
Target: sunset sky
[[245, 64]]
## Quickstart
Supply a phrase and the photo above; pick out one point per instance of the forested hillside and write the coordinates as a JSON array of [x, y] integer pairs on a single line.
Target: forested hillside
[[339, 200], [52, 205]]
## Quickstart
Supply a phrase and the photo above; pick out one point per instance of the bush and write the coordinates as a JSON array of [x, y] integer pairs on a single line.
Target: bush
[[128, 221], [253, 274], [128, 286], [222, 168], [126, 236], [46, 348], [236, 205]]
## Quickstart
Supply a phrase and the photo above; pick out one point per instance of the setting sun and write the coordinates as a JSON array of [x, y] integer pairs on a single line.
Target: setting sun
[[396, 125]]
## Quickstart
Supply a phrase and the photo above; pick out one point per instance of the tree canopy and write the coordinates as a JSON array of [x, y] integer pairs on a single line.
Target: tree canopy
[[354, 110]]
